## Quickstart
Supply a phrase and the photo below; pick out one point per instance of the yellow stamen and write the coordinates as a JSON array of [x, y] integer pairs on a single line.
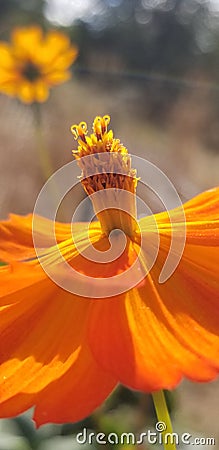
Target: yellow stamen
[[79, 131], [109, 174]]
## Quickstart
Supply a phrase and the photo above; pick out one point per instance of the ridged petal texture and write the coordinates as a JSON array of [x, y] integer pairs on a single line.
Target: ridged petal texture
[[58, 348]]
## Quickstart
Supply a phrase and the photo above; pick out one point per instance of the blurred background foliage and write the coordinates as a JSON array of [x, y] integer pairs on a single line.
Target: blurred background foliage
[[163, 48], [153, 66]]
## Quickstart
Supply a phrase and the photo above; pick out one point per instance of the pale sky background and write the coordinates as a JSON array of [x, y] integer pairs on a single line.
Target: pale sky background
[[215, 4], [65, 12]]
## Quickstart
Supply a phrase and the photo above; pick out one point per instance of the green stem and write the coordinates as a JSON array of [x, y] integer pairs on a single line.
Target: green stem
[[163, 416], [44, 157], [43, 154]]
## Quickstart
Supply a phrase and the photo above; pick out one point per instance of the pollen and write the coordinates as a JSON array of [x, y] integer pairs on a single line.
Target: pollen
[[121, 175], [109, 173]]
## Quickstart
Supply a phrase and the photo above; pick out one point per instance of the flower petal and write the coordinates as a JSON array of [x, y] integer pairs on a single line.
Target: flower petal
[[26, 41], [62, 61], [56, 45], [57, 77], [204, 204], [149, 340], [14, 278], [25, 91], [201, 215], [80, 390], [44, 344], [7, 61], [8, 83], [16, 239], [156, 333], [41, 91]]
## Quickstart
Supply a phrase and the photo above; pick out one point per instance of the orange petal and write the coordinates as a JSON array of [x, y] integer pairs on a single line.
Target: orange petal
[[7, 60], [8, 70], [55, 44], [41, 91], [25, 91], [16, 240], [156, 333], [62, 61], [57, 77], [15, 278], [44, 358], [42, 328], [204, 204], [149, 340], [201, 215], [8, 85], [81, 390], [26, 41]]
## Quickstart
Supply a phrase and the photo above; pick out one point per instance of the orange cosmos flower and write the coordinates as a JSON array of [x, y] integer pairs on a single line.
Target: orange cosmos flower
[[33, 62], [64, 353]]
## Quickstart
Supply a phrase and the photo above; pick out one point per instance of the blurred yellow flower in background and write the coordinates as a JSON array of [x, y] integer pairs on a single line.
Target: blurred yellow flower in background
[[34, 62]]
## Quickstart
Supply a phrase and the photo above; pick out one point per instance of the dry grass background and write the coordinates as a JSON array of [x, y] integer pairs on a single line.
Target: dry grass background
[[177, 149]]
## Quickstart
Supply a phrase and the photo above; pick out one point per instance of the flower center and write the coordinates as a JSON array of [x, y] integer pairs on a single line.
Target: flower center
[[30, 71], [108, 172]]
